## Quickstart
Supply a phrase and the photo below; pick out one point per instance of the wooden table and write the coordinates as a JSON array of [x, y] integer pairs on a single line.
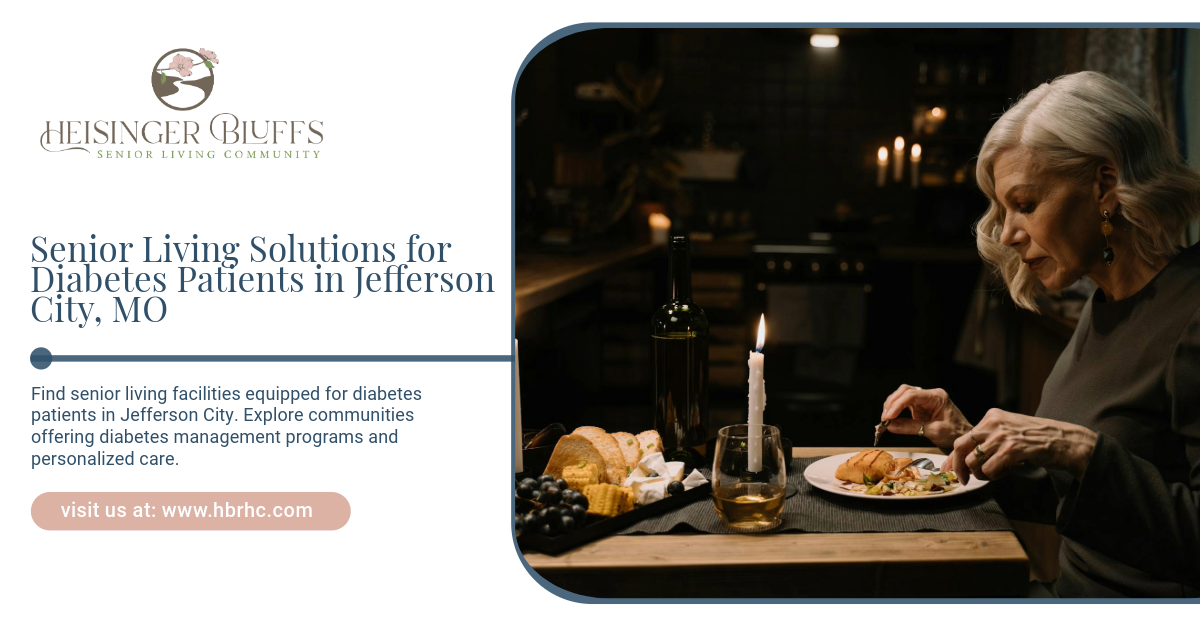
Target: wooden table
[[963, 564]]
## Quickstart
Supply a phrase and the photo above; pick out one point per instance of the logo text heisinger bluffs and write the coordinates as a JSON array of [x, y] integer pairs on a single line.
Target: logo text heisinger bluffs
[[140, 140]]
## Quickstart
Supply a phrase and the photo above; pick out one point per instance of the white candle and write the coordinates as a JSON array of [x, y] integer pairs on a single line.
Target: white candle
[[660, 228], [517, 371], [916, 166], [897, 158], [881, 173], [758, 401]]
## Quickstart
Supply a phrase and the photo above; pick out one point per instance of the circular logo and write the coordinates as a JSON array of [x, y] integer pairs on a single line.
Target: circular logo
[[183, 78]]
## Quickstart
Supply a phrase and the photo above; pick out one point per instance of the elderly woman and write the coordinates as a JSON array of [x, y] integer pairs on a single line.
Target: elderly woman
[[1085, 181]]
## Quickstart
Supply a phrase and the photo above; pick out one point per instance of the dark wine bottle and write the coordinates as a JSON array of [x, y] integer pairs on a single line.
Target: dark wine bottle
[[679, 330]]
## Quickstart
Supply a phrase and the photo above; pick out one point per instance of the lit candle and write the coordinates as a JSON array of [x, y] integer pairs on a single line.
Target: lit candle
[[881, 173], [897, 158], [758, 401], [916, 165], [517, 371], [660, 227]]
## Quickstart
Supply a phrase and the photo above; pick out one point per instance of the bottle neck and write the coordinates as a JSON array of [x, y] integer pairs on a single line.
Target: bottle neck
[[681, 276]]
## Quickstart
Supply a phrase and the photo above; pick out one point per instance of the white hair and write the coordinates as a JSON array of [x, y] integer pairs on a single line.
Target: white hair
[[1071, 126]]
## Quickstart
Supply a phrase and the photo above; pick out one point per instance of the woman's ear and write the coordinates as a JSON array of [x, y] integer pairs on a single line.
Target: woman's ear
[[1106, 184]]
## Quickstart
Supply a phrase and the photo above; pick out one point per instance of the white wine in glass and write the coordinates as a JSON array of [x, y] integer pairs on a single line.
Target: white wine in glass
[[747, 500]]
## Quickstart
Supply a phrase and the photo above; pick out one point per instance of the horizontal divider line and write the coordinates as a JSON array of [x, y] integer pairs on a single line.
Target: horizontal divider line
[[283, 358]]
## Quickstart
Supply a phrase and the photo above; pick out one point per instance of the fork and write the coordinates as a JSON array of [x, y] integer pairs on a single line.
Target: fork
[[920, 463]]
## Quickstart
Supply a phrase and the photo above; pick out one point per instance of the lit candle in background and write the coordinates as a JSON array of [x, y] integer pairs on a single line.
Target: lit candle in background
[[881, 172], [823, 41], [517, 382], [660, 227], [758, 401], [898, 158], [916, 165], [933, 120]]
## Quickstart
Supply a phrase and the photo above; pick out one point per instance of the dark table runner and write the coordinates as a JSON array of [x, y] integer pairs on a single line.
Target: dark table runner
[[813, 510]]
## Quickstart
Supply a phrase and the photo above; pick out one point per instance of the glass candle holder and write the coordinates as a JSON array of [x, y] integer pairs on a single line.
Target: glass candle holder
[[747, 500]]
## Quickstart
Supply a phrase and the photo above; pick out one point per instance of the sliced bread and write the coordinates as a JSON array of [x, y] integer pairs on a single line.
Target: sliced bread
[[571, 450], [615, 468], [630, 448], [650, 442]]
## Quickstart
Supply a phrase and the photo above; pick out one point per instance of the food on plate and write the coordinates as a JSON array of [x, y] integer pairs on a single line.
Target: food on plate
[[551, 511], [631, 449], [615, 455], [573, 449], [868, 465], [614, 461], [607, 500], [650, 442], [651, 479], [876, 472], [551, 496], [574, 498], [592, 472], [580, 475], [930, 484], [648, 490]]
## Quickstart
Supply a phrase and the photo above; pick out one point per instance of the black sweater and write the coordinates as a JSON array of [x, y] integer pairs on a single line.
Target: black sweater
[[1131, 373]]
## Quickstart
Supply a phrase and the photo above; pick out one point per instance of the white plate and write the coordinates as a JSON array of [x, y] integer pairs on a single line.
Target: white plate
[[820, 475]]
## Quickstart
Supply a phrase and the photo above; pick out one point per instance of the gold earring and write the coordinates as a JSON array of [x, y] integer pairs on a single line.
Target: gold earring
[[1106, 228]]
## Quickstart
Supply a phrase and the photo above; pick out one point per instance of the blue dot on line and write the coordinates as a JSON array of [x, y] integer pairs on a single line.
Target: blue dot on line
[[41, 358]]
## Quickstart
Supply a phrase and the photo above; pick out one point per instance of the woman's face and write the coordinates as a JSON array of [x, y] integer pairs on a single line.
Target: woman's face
[[1052, 222]]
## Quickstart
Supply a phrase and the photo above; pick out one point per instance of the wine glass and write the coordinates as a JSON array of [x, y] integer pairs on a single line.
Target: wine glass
[[747, 498]]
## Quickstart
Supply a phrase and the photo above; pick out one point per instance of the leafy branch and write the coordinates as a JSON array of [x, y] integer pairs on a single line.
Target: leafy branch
[[645, 167]]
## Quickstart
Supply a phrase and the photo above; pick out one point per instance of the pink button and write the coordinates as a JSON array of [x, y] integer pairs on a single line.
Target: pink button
[[190, 511]]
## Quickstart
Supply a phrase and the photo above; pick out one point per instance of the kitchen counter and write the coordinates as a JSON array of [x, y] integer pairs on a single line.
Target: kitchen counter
[[544, 277]]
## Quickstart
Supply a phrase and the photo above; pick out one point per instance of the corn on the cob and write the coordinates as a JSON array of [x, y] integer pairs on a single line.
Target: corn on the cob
[[608, 500], [581, 475]]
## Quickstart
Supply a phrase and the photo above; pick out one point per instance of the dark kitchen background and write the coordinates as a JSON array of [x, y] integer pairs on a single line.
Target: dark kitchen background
[[763, 147]]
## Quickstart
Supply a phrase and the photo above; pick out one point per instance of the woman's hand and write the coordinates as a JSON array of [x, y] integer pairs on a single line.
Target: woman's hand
[[931, 409], [1007, 440]]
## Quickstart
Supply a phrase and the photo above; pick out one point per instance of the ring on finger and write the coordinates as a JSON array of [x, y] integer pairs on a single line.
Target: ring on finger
[[971, 433], [921, 432], [979, 454]]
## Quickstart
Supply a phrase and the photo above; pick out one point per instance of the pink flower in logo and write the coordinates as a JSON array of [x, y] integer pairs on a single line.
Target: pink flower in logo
[[182, 64], [210, 55]]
